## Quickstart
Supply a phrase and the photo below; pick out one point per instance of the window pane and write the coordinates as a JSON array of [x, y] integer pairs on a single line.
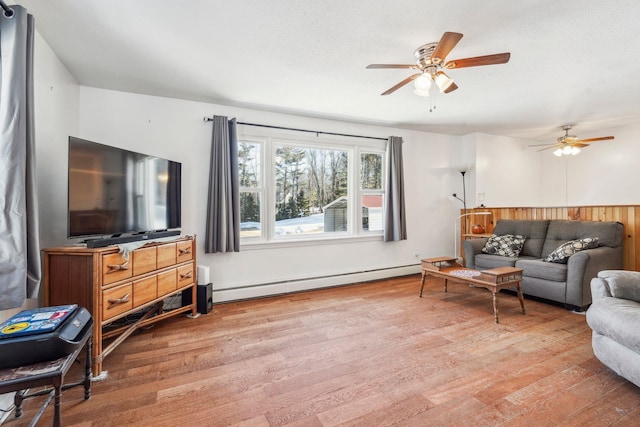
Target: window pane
[[371, 171], [249, 164], [250, 214], [372, 212], [309, 184]]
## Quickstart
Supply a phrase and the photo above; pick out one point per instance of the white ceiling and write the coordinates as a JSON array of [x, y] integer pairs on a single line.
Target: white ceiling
[[572, 61]]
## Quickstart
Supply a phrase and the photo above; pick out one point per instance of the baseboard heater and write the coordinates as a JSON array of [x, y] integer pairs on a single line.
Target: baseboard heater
[[280, 287]]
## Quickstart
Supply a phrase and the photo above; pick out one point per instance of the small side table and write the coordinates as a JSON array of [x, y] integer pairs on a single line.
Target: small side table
[[47, 374]]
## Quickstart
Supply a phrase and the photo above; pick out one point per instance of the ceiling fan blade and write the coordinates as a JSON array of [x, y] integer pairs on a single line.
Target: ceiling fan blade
[[399, 85], [446, 43], [579, 145], [602, 138], [548, 148], [451, 88], [541, 145], [476, 61], [376, 66]]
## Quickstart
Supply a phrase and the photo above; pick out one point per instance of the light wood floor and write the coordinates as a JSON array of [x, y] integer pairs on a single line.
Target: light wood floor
[[373, 354]]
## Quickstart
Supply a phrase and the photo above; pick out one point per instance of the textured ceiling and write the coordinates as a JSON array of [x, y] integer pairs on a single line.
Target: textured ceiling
[[572, 61]]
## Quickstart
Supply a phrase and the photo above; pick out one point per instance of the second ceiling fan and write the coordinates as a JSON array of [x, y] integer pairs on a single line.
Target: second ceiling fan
[[430, 62], [569, 144]]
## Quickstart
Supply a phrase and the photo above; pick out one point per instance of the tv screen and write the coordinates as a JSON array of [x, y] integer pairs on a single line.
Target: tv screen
[[114, 191]]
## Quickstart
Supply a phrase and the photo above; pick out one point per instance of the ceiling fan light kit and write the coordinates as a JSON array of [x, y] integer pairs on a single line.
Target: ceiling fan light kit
[[422, 84], [566, 151], [443, 81]]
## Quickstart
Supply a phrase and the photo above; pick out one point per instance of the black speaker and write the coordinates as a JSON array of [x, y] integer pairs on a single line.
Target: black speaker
[[204, 298]]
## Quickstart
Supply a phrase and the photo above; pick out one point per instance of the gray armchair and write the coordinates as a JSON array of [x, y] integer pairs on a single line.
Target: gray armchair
[[614, 317]]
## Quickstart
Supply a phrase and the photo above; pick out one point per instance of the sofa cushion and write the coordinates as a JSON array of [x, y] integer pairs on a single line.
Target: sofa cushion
[[618, 319], [542, 270], [562, 253], [622, 284], [561, 231], [504, 245], [535, 232], [485, 262]]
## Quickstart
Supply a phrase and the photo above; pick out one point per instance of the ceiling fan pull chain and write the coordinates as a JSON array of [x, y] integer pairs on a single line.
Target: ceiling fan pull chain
[[432, 99]]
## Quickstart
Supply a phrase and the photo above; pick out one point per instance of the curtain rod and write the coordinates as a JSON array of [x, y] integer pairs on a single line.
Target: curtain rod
[[317, 132], [8, 12]]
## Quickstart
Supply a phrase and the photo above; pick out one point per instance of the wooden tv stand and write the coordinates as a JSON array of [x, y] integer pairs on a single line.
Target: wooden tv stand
[[112, 287]]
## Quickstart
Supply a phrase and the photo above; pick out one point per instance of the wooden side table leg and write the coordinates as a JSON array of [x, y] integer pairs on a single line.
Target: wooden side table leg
[[17, 401], [495, 306], [57, 386], [520, 296], [87, 370], [422, 283], [445, 285], [96, 349]]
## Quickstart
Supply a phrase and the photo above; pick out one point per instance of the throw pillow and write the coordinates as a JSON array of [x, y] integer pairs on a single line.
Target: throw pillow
[[509, 245], [562, 253]]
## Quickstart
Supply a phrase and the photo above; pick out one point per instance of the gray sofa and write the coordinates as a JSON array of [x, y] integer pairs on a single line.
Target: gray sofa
[[567, 283], [614, 318]]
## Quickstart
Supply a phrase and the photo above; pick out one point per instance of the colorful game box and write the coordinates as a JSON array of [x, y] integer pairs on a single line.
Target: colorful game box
[[36, 321]]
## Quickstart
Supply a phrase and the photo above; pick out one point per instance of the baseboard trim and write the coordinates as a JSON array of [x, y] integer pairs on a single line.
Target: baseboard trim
[[299, 285]]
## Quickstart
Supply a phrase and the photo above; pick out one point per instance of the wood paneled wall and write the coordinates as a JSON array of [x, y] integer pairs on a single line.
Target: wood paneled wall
[[627, 215]]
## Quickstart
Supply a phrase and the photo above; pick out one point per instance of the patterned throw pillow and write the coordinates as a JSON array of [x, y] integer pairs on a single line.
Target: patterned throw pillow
[[562, 253], [508, 245]]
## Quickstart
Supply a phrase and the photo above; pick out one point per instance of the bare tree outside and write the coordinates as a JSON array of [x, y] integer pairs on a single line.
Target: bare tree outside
[[249, 176], [307, 180]]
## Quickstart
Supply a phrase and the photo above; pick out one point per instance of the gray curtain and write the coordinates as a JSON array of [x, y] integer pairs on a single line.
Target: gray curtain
[[223, 204], [395, 223], [19, 240]]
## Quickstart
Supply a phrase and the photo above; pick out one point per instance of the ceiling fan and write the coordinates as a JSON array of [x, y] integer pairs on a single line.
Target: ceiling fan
[[569, 144], [430, 62]]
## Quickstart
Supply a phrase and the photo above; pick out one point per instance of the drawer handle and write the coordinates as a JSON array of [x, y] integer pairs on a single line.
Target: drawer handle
[[185, 275], [117, 267], [186, 251], [115, 301]]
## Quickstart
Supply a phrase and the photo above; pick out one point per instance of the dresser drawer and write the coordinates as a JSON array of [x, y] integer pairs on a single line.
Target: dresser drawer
[[167, 282], [114, 268], [167, 255], [184, 251], [145, 290], [185, 275], [144, 260], [117, 300]]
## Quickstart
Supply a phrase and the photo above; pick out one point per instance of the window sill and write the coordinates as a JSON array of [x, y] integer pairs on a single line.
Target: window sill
[[293, 243]]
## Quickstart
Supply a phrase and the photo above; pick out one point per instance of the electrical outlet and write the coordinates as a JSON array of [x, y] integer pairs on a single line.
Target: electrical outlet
[[416, 252]]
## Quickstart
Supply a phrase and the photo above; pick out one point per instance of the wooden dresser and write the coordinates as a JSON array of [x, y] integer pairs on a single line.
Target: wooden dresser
[[112, 287]]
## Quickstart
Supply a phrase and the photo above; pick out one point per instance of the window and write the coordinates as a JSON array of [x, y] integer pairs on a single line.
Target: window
[[249, 160], [309, 190], [371, 191]]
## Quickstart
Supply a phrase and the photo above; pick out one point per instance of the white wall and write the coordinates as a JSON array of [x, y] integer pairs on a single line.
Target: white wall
[[175, 129], [511, 173], [605, 173], [506, 172]]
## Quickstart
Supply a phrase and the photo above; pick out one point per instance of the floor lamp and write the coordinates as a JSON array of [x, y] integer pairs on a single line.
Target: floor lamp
[[455, 227], [464, 197]]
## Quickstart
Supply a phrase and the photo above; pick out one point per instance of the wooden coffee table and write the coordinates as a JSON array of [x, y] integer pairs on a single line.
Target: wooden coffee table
[[492, 280]]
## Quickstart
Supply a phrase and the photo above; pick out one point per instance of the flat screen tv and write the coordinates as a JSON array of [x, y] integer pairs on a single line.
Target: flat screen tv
[[117, 195]]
